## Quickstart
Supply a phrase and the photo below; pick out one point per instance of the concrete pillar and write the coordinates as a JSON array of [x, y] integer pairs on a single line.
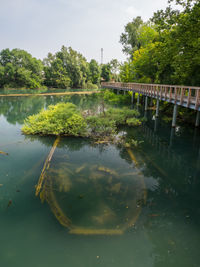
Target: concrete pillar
[[138, 99], [124, 92], [117, 92], [174, 115], [157, 108], [132, 97], [155, 124], [197, 119], [146, 103]]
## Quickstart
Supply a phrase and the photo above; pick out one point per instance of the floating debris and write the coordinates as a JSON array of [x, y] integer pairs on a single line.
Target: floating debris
[[85, 231], [116, 188], [9, 203], [1, 185], [154, 215], [3, 153], [80, 168], [107, 170]]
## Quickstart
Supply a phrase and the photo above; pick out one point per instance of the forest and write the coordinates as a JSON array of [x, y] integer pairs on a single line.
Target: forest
[[65, 69]]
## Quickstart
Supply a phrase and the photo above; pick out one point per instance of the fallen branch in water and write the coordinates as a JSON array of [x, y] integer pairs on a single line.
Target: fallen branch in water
[[46, 166]]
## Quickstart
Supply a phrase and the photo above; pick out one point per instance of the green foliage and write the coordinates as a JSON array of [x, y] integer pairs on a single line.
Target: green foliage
[[106, 72], [129, 39], [115, 69], [19, 69], [94, 72], [63, 118], [90, 85], [133, 122], [111, 97], [168, 51], [67, 68], [101, 126], [121, 115]]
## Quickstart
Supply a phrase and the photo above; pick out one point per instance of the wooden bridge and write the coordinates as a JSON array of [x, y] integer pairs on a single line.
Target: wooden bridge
[[185, 96]]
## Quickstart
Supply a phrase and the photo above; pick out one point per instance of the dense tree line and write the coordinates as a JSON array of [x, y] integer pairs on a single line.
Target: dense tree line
[[65, 69], [165, 49]]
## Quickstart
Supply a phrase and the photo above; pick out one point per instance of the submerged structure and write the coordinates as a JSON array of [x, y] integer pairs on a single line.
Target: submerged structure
[[91, 197]]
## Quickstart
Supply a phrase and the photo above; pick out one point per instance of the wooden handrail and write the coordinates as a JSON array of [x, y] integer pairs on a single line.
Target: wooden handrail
[[188, 96]]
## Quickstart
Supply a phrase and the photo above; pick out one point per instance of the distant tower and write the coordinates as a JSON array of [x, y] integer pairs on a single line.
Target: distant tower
[[101, 56]]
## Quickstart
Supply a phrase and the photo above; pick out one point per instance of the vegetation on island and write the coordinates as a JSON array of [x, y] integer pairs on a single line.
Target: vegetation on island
[[66, 119]]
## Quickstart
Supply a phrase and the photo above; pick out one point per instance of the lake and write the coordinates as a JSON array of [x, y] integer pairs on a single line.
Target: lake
[[98, 205]]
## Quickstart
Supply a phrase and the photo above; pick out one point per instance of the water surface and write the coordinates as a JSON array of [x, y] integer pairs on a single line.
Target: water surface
[[99, 205]]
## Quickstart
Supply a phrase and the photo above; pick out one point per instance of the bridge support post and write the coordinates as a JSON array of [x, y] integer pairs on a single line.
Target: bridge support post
[[117, 92], [171, 137], [132, 97], [138, 99], [157, 108], [146, 103], [174, 115], [124, 92], [156, 125], [197, 119]]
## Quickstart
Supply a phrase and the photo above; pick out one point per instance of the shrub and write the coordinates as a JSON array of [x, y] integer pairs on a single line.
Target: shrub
[[100, 126], [63, 118], [120, 116]]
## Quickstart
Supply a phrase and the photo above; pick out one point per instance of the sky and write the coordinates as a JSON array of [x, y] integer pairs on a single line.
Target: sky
[[42, 26]]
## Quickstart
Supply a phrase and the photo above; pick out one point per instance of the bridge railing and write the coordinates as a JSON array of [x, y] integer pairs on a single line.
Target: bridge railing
[[188, 96]]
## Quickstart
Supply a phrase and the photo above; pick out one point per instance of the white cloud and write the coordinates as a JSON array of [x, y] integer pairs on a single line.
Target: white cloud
[[131, 11]]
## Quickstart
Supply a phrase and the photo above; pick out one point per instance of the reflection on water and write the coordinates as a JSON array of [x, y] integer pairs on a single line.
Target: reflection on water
[[136, 207]]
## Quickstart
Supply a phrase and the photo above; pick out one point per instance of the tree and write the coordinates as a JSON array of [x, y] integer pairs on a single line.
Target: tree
[[115, 69], [19, 69], [94, 72], [129, 39], [106, 72]]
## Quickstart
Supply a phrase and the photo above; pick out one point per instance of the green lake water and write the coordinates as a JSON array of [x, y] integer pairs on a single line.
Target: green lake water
[[99, 205]]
